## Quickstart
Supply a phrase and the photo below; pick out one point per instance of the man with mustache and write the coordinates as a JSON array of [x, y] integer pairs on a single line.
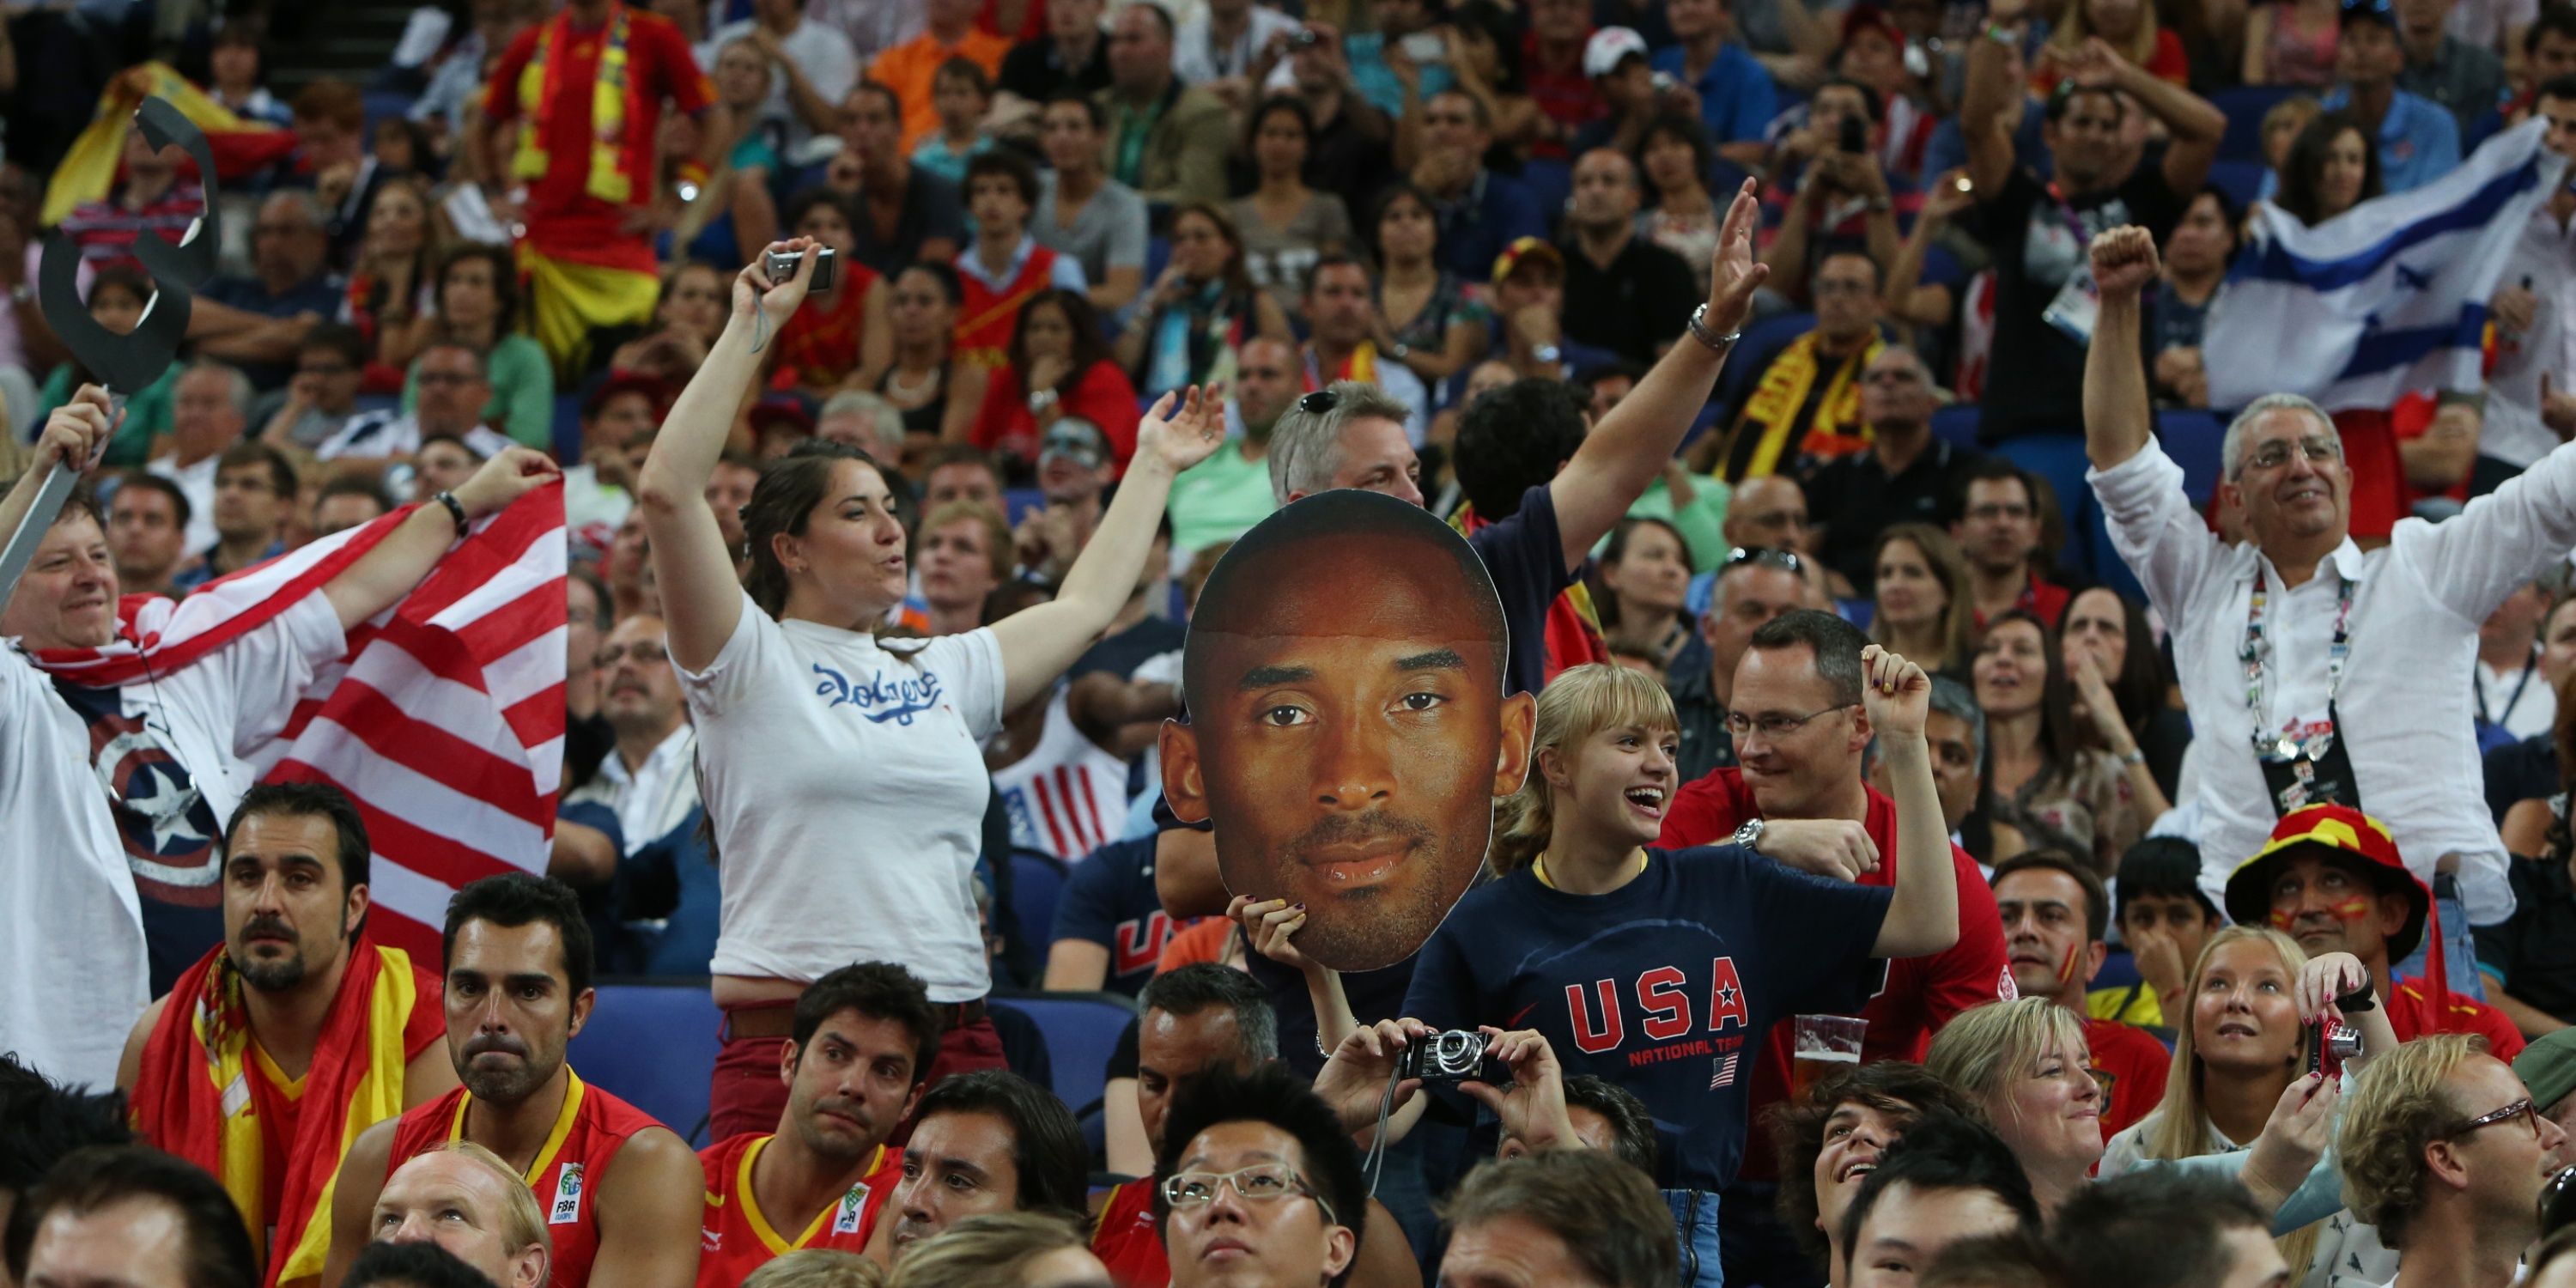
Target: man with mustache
[[1348, 731], [863, 1039], [289, 1026], [622, 1193]]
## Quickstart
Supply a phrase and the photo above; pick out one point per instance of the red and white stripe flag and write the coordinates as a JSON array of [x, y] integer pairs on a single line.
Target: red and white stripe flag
[[444, 721]]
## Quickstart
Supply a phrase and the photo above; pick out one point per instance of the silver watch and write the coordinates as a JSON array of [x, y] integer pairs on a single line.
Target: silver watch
[[1750, 835]]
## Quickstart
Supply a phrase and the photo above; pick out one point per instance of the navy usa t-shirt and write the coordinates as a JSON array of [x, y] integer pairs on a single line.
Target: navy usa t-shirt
[[1110, 900], [1665, 986]]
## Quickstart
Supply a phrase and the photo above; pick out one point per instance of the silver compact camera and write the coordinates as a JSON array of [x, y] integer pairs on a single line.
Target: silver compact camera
[[781, 265], [1452, 1056]]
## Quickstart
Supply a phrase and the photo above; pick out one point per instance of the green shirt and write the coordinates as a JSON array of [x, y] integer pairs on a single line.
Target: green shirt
[[1702, 523], [1220, 498], [523, 392], [147, 414]]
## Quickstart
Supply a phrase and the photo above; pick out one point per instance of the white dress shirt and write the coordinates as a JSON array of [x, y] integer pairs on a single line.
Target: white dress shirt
[[1196, 60], [654, 797], [2545, 256], [2417, 603]]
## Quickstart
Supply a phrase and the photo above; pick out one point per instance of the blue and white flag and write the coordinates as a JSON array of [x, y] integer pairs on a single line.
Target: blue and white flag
[[2388, 297]]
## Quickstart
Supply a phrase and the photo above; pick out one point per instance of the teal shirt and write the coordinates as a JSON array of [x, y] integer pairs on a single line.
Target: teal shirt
[[523, 392], [937, 157], [147, 415], [1702, 523], [1219, 498]]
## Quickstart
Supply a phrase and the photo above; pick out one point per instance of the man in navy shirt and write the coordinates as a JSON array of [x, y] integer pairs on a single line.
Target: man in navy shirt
[[1480, 212], [1110, 927]]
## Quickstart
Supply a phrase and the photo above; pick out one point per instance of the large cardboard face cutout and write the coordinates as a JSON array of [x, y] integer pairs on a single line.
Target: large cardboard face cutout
[[1348, 734]]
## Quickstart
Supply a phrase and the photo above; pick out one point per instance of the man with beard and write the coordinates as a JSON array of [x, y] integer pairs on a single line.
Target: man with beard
[[622, 1193], [863, 1039], [287, 1028]]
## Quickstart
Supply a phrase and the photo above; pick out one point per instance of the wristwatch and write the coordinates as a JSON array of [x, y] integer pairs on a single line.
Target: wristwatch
[[1701, 332], [1401, 351], [1750, 835], [1547, 353], [1041, 400]]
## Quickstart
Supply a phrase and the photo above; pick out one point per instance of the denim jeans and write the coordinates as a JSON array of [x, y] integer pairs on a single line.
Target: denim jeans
[[2459, 948], [1695, 1222]]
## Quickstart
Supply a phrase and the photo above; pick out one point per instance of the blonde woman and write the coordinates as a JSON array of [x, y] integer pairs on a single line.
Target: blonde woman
[[1002, 1250], [1720, 940], [2237, 1051]]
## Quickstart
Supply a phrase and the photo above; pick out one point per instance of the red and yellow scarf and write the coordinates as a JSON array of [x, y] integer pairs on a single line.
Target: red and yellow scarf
[[192, 1094], [1771, 414], [541, 88]]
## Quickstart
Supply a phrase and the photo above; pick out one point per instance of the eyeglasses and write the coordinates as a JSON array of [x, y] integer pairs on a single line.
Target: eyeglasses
[[2317, 447], [1766, 557], [2368, 6], [1776, 727], [1319, 402], [612, 654], [1259, 1183], [2519, 1109]]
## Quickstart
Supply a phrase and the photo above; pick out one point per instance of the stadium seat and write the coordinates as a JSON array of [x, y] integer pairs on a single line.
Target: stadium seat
[[1036, 881], [1550, 183], [1082, 1031], [652, 1043], [2192, 439], [2245, 106], [2242, 181], [1956, 425]]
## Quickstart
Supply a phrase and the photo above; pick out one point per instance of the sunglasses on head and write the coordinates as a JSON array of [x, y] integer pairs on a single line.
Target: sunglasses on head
[[1319, 402]]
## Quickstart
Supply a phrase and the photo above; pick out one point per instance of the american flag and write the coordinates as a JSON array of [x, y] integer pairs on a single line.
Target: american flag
[[1722, 1071], [444, 721]]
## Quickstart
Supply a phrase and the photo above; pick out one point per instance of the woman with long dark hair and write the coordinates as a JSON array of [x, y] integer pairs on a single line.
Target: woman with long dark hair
[[1673, 159], [1201, 309], [842, 776], [1058, 366], [1644, 577], [2057, 792], [2120, 678], [1286, 225], [1426, 318], [937, 396], [842, 337], [1920, 605], [2333, 166]]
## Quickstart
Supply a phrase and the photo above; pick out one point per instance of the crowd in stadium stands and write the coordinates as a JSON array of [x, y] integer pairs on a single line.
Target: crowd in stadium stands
[[2031, 535]]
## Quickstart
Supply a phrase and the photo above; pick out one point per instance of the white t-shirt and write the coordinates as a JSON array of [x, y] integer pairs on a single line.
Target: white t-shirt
[[847, 787], [826, 56], [73, 975], [197, 483]]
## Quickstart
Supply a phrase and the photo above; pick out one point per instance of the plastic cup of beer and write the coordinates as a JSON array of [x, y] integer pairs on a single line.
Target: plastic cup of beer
[[1826, 1045]]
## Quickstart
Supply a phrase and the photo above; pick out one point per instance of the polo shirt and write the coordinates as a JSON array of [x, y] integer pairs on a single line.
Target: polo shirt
[[2418, 141], [1859, 500], [1366, 53], [1736, 97], [1644, 298]]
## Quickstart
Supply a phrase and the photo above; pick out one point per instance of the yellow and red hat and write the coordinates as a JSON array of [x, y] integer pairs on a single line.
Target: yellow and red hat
[[2367, 848], [1527, 248]]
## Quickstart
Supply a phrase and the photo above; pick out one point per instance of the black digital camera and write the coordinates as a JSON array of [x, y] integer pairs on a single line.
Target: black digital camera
[[1453, 1056], [781, 266]]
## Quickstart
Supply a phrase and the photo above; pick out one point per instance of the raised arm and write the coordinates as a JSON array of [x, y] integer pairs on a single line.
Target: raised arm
[[1038, 643], [2195, 124], [1628, 448], [406, 554], [1990, 106], [701, 598], [1923, 918], [2117, 417]]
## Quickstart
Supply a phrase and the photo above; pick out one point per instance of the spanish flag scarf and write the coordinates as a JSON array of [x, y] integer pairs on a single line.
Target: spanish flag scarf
[[541, 87], [193, 1092]]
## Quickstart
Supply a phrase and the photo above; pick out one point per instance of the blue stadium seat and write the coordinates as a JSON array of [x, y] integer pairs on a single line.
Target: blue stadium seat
[[2242, 181], [2192, 439], [653, 1044], [1551, 183], [2245, 106], [567, 427], [1082, 1031], [1956, 425], [1037, 879]]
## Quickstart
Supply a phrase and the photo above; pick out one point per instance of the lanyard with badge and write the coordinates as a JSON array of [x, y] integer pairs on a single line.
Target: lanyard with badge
[[2315, 769], [2079, 302]]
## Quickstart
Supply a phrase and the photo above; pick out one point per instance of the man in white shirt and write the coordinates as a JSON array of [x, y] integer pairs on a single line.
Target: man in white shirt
[[2535, 316], [817, 67], [873, 26], [454, 390], [2316, 672], [1218, 51], [209, 409], [650, 779]]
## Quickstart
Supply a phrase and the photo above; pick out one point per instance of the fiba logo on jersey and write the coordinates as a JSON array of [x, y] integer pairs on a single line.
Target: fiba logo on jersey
[[853, 1203], [567, 1207]]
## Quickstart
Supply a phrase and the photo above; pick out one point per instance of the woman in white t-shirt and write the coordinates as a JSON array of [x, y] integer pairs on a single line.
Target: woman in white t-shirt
[[843, 778]]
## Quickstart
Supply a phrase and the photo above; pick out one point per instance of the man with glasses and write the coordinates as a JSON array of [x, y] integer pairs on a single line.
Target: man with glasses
[[1797, 795], [453, 389], [1755, 585], [322, 397], [1995, 520], [1908, 475], [2316, 672], [1804, 408], [1257, 1181], [289, 277], [2444, 1153]]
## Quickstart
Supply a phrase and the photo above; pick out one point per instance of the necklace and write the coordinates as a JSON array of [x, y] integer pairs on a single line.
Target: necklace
[[917, 392]]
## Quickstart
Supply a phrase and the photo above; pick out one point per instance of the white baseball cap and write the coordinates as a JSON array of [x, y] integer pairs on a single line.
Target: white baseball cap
[[1608, 48]]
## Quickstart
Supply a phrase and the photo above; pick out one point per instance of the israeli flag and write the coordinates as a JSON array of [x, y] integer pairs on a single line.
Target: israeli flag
[[2388, 297]]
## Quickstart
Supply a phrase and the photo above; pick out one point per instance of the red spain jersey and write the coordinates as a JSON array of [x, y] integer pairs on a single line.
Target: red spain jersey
[[2413, 1013], [568, 1172], [1918, 995], [1125, 1240], [2131, 1066], [738, 1238], [564, 218], [986, 319]]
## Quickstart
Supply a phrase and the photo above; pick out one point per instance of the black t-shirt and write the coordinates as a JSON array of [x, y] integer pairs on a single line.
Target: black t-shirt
[[2534, 951], [1123, 652], [1525, 553], [930, 209], [1857, 501], [2035, 382], [1035, 70], [1644, 298], [2521, 771]]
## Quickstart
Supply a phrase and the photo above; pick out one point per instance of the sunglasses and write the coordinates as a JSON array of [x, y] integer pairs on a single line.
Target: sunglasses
[[1767, 557], [1319, 402]]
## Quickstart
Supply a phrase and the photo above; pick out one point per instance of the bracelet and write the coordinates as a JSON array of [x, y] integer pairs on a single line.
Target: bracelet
[[1717, 344], [2002, 35], [455, 509], [2133, 757]]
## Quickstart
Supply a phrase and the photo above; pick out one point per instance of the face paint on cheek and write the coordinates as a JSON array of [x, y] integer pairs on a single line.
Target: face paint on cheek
[[2282, 917], [2066, 968], [2353, 909]]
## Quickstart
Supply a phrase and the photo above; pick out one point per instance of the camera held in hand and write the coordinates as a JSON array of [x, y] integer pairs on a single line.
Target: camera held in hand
[[1453, 1056], [2331, 1041], [781, 265]]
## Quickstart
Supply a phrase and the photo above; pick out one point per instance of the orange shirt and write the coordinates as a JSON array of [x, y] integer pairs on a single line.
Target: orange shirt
[[737, 1238], [1204, 942], [907, 70]]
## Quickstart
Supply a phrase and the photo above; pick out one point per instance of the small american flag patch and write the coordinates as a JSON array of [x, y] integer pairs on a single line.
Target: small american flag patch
[[1721, 1071]]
